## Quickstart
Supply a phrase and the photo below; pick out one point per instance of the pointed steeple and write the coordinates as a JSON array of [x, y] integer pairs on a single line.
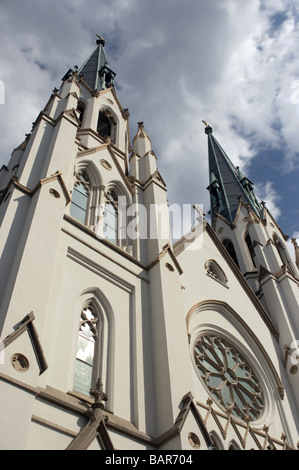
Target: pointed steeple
[[95, 71], [141, 142], [228, 185]]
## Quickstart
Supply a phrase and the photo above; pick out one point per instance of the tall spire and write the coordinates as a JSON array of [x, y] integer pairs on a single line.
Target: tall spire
[[228, 185], [96, 73]]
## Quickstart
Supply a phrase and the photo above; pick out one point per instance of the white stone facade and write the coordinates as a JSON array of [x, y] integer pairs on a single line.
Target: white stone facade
[[153, 299]]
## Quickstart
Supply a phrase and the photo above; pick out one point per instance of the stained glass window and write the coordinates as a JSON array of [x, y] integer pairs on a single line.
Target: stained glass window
[[228, 377], [79, 204], [85, 360]]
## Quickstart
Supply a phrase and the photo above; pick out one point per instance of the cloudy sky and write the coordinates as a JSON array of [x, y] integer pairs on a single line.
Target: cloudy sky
[[233, 63]]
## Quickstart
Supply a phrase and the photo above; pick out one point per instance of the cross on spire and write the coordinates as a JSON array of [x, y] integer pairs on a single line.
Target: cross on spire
[[208, 129], [101, 40]]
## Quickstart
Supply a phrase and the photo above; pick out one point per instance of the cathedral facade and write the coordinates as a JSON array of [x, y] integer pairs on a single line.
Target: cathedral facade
[[114, 337]]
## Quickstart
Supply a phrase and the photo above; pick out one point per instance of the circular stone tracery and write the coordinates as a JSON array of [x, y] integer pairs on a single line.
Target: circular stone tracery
[[228, 377]]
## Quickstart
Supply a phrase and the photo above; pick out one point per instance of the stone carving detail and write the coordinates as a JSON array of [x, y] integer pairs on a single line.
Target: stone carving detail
[[20, 362]]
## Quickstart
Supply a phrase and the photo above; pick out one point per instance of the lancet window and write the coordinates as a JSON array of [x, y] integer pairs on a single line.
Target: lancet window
[[86, 350], [250, 248], [80, 109], [106, 126], [283, 254], [231, 250], [110, 219], [80, 198], [102, 209]]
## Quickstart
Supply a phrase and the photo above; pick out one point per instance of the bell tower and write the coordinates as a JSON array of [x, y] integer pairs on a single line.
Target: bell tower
[[257, 245], [87, 263]]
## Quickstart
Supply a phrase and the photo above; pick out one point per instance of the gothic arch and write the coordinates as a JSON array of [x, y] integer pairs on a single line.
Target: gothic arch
[[108, 124], [105, 351], [283, 253], [119, 188], [228, 244], [117, 201], [250, 248], [233, 445], [92, 171], [81, 108], [88, 171], [217, 442]]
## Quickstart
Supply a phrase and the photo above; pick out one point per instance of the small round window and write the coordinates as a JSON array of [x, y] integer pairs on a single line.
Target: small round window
[[228, 377]]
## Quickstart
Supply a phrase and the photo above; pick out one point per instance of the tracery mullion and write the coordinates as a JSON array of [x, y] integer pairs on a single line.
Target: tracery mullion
[[213, 364], [216, 374], [229, 378], [229, 350], [220, 350], [237, 365], [246, 404], [227, 401], [215, 356], [93, 204], [251, 395], [249, 382]]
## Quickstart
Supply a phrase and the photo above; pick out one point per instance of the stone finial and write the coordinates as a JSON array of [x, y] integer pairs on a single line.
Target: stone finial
[[98, 394], [294, 241]]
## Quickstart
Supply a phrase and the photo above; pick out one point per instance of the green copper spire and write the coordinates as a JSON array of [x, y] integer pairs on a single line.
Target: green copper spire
[[227, 185], [96, 73]]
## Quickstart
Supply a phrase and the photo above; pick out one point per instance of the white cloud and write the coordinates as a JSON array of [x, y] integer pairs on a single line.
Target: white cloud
[[266, 192], [229, 62]]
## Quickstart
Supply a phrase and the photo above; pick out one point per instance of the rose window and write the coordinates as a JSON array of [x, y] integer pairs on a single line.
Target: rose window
[[228, 377]]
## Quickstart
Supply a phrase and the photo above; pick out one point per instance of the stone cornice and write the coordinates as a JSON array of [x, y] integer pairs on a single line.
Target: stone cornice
[[31, 192], [166, 250], [265, 275]]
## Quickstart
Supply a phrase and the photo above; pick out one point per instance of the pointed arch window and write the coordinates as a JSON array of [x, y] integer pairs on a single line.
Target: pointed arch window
[[107, 125], [80, 109], [233, 446], [283, 254], [231, 250], [216, 441], [104, 125], [281, 251], [250, 249], [80, 198], [110, 223], [86, 350]]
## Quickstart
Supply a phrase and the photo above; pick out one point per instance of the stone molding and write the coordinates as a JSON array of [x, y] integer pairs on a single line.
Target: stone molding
[[27, 325]]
